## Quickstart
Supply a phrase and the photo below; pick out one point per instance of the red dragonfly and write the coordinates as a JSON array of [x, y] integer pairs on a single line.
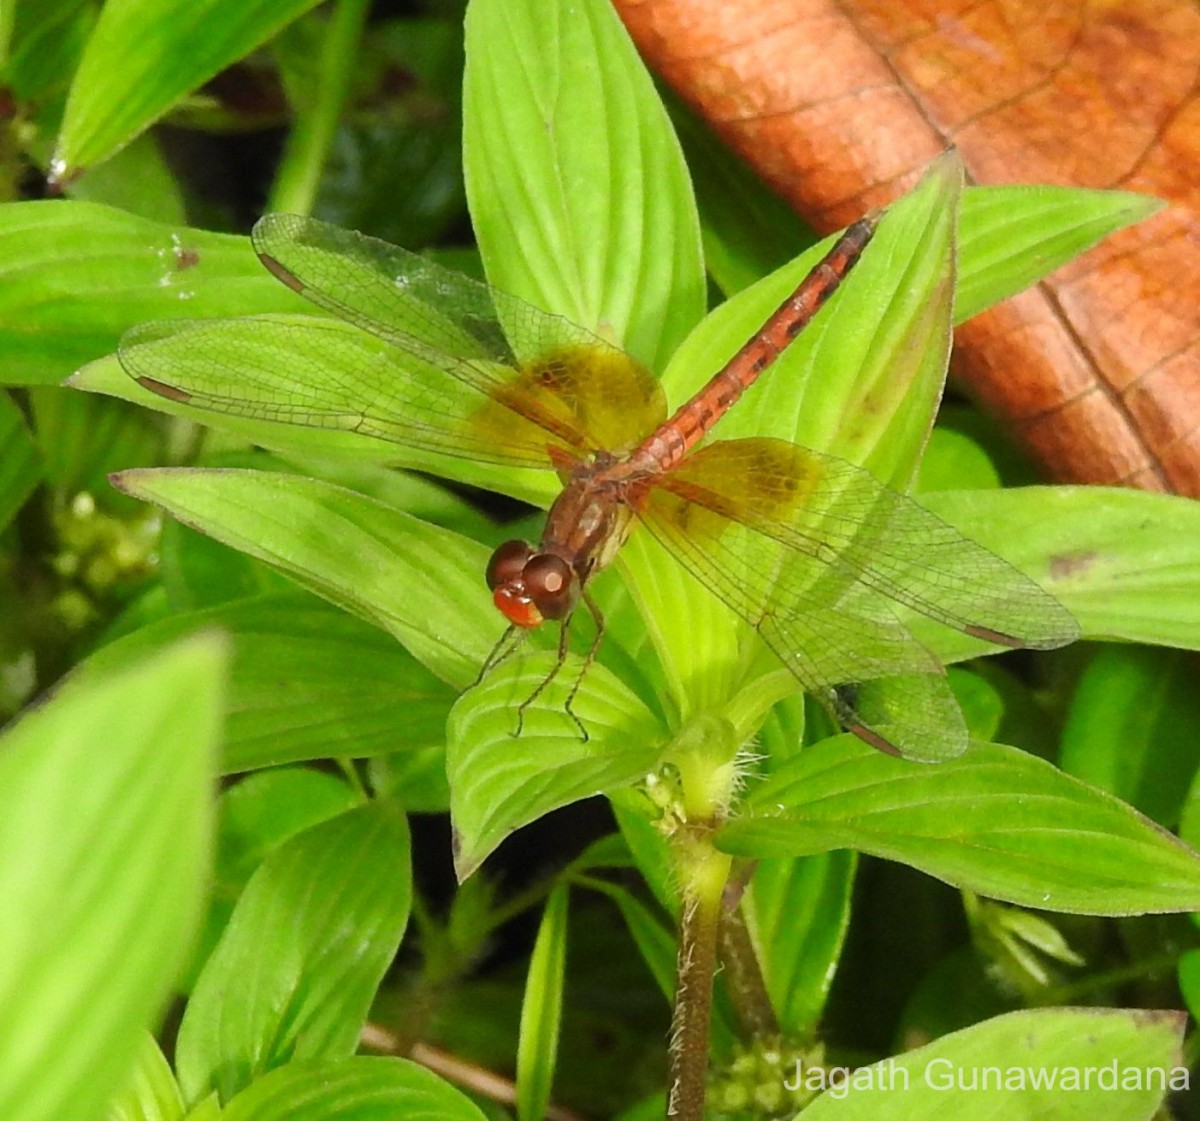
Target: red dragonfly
[[811, 551]]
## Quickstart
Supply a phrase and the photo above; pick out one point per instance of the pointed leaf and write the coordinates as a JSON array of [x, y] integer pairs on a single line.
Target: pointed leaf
[[418, 582], [500, 781], [1011, 237], [569, 155], [285, 704], [799, 913], [1062, 1064], [298, 966], [541, 1010], [151, 1093], [995, 821], [74, 276], [868, 395], [144, 56], [105, 845], [358, 1089]]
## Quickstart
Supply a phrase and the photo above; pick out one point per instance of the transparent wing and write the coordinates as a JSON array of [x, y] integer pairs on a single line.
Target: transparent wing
[[586, 394], [812, 552], [321, 373], [838, 515]]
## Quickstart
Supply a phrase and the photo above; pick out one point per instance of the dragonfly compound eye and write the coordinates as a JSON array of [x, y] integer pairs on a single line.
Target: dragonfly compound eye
[[507, 563], [548, 582]]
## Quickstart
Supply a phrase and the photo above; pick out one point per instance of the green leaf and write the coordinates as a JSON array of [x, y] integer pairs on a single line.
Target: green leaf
[[20, 464], [256, 816], [151, 1094], [421, 584], [46, 42], [980, 701], [285, 706], [569, 156], [799, 912], [207, 1110], [144, 56], [953, 461], [74, 276], [265, 810], [358, 1089], [105, 843], [541, 1010], [995, 821], [1131, 728], [1062, 1064], [138, 180], [499, 782], [1011, 237], [1125, 563], [308, 943], [1188, 972], [82, 439]]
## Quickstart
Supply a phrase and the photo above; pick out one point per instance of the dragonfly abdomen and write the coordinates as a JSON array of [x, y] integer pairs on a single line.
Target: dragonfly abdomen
[[671, 441]]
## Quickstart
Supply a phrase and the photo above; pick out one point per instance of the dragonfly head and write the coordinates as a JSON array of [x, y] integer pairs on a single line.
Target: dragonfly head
[[530, 587]]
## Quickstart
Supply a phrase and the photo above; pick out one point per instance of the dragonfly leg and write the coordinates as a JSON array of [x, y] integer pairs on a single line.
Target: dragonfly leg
[[506, 646], [564, 634], [593, 650]]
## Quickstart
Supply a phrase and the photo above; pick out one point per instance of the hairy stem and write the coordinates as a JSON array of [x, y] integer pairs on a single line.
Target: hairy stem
[[704, 874]]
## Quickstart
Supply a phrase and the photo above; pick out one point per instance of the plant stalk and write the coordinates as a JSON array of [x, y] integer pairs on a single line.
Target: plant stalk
[[744, 977], [705, 871], [312, 134]]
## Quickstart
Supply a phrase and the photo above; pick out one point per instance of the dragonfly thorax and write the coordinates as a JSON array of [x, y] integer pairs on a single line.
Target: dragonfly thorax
[[530, 587]]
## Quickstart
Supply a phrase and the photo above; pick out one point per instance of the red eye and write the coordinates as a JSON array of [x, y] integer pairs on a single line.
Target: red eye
[[507, 563], [549, 583]]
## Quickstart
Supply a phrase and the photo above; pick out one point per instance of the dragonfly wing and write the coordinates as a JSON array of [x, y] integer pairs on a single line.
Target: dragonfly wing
[[320, 373], [540, 367], [838, 637], [857, 529]]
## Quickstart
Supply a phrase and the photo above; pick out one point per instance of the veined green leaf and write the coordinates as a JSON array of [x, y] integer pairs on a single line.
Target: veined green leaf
[[308, 681], [105, 845], [74, 276], [306, 947], [578, 191], [1060, 1064], [416, 581], [1011, 237], [996, 821], [499, 781], [144, 56], [358, 1089], [541, 1010]]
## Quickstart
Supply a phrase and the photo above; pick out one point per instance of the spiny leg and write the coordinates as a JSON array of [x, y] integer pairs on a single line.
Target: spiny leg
[[506, 646], [563, 635], [598, 615]]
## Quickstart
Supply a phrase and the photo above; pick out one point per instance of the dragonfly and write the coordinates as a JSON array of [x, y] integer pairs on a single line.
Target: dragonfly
[[811, 551]]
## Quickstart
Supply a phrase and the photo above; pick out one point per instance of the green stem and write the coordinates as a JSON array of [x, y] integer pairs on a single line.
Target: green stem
[[316, 121], [704, 872], [744, 977], [1077, 990]]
